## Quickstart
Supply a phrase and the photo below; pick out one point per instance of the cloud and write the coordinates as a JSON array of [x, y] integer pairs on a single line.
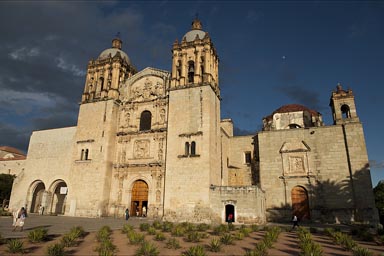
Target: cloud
[[302, 96], [24, 52], [14, 136]]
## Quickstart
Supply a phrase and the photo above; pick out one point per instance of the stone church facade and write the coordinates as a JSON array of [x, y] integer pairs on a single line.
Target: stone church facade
[[153, 141]]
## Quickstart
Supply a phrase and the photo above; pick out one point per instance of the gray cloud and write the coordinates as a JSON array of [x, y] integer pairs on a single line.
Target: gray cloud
[[44, 51]]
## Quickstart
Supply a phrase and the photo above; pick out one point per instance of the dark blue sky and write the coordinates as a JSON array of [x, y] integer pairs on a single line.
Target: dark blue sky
[[271, 53]]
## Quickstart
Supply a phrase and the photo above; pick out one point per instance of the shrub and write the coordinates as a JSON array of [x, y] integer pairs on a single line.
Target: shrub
[[151, 231], [77, 232], [360, 251], [135, 238], [105, 248], [38, 235], [245, 230], [172, 243], [203, 227], [103, 233], [221, 229], [159, 237], [15, 246], [69, 240], [260, 249], [147, 249], [193, 237], [126, 228], [178, 230], [167, 226], [214, 245], [197, 250], [56, 249], [239, 236], [329, 231], [157, 224], [144, 226], [189, 226], [226, 239]]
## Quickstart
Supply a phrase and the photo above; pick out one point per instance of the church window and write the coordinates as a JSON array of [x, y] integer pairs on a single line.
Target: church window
[[186, 148], [178, 71], [247, 157], [86, 154], [193, 148], [82, 154], [345, 111], [191, 71], [101, 81], [145, 121]]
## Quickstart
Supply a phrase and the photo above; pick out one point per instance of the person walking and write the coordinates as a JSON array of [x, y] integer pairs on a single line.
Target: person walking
[[295, 221], [19, 219], [126, 214]]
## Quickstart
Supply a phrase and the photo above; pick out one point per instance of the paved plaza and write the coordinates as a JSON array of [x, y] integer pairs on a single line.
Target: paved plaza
[[62, 224]]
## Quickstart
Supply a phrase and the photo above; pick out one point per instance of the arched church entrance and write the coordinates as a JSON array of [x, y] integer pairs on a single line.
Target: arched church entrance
[[300, 202], [59, 197], [230, 209], [139, 200], [37, 196]]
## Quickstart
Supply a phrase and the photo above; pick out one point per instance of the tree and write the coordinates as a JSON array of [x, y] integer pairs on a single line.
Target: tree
[[6, 181], [378, 191]]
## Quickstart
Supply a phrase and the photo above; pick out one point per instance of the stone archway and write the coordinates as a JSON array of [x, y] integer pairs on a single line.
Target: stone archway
[[139, 199], [59, 192], [38, 189], [300, 202]]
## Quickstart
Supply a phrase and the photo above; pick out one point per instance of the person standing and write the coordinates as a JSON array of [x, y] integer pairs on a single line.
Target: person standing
[[230, 220], [126, 214]]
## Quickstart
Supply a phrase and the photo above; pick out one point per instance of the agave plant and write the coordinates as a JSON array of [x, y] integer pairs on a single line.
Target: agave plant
[[38, 235], [147, 249], [15, 246], [214, 245], [226, 239], [56, 249], [197, 250], [173, 243]]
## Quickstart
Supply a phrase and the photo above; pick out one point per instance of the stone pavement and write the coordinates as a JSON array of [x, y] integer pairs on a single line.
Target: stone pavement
[[63, 224]]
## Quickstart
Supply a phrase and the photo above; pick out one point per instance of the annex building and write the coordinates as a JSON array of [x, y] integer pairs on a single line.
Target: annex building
[[153, 141]]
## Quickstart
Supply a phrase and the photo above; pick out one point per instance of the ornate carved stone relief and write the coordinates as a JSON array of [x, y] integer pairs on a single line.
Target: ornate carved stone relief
[[141, 149], [295, 158]]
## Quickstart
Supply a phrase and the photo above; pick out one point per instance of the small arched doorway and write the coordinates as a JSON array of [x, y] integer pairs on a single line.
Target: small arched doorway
[[37, 197], [300, 202], [139, 200], [230, 209], [59, 197]]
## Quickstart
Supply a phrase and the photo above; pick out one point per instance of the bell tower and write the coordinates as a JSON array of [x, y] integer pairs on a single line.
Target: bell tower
[[343, 106], [106, 73], [194, 60], [193, 136]]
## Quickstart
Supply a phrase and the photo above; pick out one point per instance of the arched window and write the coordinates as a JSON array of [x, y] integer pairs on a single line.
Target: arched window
[[145, 121], [186, 148], [191, 71], [193, 148], [101, 81], [345, 111], [86, 154], [82, 154]]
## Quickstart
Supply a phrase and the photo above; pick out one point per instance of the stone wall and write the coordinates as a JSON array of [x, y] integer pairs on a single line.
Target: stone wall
[[248, 201], [48, 161]]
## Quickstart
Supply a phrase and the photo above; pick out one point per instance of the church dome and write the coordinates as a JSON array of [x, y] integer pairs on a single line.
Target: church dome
[[292, 108], [196, 31], [116, 49]]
